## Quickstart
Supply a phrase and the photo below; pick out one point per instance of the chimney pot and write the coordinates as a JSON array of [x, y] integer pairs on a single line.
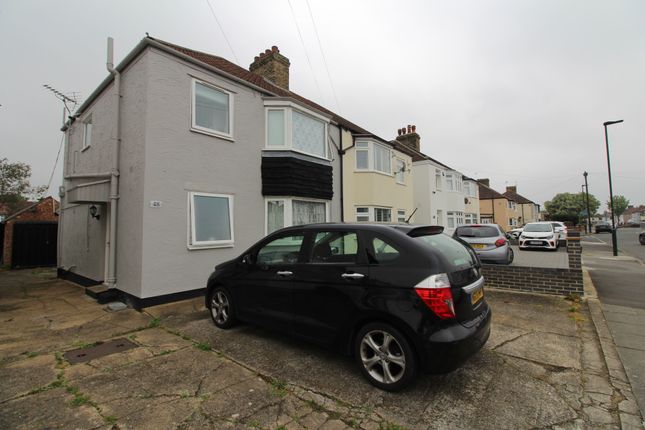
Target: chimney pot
[[409, 128], [272, 66], [414, 129]]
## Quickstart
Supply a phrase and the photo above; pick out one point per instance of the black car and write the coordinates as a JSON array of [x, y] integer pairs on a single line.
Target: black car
[[602, 227], [641, 237], [399, 298]]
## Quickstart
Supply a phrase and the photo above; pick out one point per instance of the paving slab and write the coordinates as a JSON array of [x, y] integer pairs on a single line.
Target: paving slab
[[542, 367]]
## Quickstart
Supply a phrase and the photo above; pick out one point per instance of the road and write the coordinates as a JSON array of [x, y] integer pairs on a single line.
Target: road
[[620, 283], [627, 241]]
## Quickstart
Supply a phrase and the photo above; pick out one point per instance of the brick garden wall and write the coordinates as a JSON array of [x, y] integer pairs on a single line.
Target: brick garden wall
[[541, 279]]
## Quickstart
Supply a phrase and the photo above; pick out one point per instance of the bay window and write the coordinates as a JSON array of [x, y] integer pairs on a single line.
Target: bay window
[[287, 211], [371, 156], [290, 128]]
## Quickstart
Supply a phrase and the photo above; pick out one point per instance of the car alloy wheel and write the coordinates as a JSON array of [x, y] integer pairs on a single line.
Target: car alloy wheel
[[385, 357], [222, 308]]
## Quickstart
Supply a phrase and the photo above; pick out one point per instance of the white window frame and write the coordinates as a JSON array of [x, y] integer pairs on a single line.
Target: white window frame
[[438, 184], [370, 157], [363, 213], [371, 213], [288, 108], [193, 111], [87, 142], [195, 244], [400, 215], [288, 209], [450, 182]]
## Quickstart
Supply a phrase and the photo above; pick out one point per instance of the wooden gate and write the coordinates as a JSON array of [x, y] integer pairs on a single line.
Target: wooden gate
[[34, 244]]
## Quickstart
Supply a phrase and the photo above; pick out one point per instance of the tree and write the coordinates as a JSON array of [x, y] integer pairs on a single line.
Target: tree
[[571, 207], [14, 183], [620, 205]]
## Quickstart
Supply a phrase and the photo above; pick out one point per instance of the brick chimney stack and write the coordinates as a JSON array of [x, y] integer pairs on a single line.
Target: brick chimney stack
[[408, 136], [512, 189], [484, 181], [273, 66]]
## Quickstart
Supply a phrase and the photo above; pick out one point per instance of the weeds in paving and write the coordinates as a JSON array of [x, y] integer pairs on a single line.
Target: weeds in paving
[[278, 387], [204, 346], [166, 352], [31, 354], [133, 337], [155, 322], [281, 428], [81, 344], [184, 394], [111, 419]]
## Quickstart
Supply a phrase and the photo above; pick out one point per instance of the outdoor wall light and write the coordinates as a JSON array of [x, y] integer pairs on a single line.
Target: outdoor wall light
[[95, 212]]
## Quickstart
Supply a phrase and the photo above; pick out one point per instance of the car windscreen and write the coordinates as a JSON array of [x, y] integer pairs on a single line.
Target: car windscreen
[[454, 252], [540, 228], [477, 231]]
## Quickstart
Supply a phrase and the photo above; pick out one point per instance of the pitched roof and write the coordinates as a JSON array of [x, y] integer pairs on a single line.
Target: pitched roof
[[517, 198], [257, 80], [30, 205], [487, 193]]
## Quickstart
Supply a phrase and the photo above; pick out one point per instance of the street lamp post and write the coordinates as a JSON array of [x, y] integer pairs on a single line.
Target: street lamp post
[[587, 198], [614, 244]]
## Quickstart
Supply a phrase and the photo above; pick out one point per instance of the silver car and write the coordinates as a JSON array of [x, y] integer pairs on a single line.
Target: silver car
[[488, 240]]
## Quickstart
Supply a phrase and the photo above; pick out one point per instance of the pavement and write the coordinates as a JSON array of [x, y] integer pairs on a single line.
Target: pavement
[[620, 285], [548, 364]]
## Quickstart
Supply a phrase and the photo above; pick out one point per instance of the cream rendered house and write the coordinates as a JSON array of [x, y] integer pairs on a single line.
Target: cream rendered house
[[377, 184]]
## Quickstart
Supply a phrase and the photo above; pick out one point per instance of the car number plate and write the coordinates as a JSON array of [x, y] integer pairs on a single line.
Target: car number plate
[[535, 242], [477, 295], [478, 245]]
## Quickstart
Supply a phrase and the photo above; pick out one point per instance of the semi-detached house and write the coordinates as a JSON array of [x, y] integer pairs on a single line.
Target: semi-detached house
[[180, 160]]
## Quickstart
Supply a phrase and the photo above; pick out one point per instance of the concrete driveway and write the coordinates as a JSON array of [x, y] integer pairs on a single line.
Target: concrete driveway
[[543, 367]]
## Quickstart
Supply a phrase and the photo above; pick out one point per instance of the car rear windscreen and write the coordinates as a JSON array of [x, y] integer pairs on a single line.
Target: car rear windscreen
[[458, 255], [477, 231]]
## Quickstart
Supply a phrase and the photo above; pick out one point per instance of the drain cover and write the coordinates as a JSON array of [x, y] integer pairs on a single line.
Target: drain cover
[[101, 350]]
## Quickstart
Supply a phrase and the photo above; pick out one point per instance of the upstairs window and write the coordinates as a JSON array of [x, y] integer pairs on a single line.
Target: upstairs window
[[212, 110], [400, 215], [437, 180], [374, 157], [289, 129], [450, 184], [87, 132]]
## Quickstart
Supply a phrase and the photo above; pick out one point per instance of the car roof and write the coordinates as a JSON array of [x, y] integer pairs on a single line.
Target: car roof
[[405, 228]]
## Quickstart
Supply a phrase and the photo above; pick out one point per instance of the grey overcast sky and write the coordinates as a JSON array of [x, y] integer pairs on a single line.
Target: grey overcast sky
[[512, 90]]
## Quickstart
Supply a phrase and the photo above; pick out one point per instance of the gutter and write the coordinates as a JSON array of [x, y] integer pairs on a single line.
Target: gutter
[[110, 282]]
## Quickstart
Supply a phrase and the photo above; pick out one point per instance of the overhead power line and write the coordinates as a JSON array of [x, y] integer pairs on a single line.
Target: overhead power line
[[311, 67], [222, 30], [322, 52]]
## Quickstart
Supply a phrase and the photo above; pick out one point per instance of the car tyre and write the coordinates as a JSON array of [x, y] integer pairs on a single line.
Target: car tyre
[[385, 356], [222, 309], [511, 256]]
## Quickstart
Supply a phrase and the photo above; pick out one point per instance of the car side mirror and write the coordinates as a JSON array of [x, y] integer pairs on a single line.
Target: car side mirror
[[334, 250]]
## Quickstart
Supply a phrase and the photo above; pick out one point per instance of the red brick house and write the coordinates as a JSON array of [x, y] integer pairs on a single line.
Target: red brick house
[[30, 235]]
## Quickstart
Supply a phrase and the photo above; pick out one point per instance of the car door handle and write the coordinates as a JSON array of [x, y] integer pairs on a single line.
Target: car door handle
[[352, 276], [284, 273]]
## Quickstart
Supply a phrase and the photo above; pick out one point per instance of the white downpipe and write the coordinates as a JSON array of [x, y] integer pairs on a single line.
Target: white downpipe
[[114, 178]]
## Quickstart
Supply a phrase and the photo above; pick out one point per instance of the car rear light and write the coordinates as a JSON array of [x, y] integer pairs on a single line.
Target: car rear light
[[435, 293], [500, 242]]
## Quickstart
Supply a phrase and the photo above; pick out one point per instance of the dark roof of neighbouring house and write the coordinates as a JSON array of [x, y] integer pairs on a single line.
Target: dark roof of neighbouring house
[[487, 193], [517, 198]]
